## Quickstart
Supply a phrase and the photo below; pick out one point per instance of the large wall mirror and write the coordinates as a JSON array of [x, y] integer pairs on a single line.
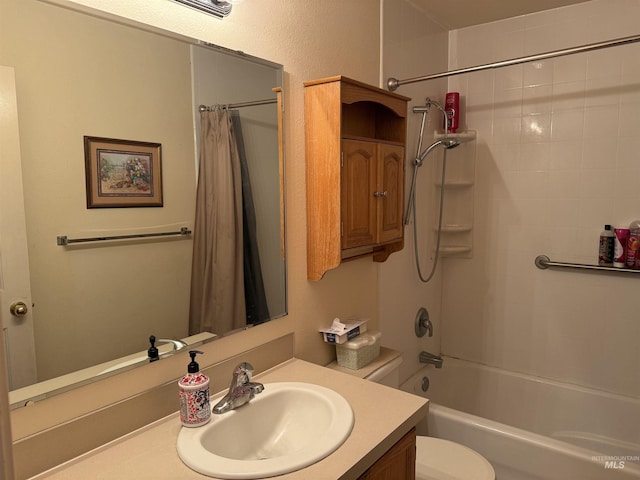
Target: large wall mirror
[[92, 306]]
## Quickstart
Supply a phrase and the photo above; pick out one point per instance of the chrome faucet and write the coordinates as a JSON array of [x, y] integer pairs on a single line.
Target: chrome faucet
[[177, 344], [153, 353], [426, 357], [241, 389]]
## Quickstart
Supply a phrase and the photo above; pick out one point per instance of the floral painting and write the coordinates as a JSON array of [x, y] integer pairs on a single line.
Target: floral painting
[[122, 173]]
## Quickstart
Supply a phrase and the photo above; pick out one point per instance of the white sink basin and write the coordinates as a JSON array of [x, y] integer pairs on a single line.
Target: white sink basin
[[287, 427]]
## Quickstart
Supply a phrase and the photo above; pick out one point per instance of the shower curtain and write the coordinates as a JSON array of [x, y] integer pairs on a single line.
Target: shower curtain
[[254, 294], [217, 278], [227, 290]]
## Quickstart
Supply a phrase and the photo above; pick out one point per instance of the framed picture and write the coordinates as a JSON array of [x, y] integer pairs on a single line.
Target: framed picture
[[122, 173]]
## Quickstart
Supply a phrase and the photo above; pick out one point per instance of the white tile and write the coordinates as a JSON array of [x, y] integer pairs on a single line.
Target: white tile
[[602, 91], [565, 155], [568, 95], [570, 68], [601, 122], [629, 119], [536, 128], [507, 78], [598, 184], [628, 153], [506, 130], [534, 157], [605, 63], [538, 73], [567, 125], [564, 184], [507, 103], [537, 100], [599, 154]]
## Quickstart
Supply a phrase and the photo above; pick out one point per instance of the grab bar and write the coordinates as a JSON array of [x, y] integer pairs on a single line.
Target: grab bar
[[63, 240], [543, 262]]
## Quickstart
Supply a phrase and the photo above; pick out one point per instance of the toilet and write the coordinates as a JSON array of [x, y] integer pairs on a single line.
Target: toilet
[[436, 458]]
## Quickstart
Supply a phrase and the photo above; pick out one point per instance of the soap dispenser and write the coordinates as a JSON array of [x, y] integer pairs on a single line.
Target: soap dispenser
[[195, 409], [152, 353]]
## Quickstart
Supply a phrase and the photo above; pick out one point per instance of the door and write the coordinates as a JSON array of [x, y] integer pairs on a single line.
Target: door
[[15, 290]]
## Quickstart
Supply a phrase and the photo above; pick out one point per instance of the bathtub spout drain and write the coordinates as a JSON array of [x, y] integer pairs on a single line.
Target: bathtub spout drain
[[425, 384]]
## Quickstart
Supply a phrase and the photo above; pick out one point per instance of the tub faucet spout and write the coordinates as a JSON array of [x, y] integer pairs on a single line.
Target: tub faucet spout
[[426, 357]]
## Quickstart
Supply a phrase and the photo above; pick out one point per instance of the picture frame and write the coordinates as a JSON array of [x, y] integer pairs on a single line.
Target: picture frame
[[122, 173]]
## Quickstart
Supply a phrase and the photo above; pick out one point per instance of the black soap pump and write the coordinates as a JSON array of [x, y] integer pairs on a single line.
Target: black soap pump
[[153, 351], [195, 409]]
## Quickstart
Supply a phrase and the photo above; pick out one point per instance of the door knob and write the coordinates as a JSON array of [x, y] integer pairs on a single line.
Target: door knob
[[18, 309]]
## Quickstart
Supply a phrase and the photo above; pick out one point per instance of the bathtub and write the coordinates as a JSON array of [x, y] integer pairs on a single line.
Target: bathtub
[[531, 428]]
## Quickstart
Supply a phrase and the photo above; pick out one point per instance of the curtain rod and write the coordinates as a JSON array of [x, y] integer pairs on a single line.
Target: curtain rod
[[394, 83], [205, 108]]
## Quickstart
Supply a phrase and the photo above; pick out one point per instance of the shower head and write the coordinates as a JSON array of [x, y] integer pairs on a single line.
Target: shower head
[[447, 143]]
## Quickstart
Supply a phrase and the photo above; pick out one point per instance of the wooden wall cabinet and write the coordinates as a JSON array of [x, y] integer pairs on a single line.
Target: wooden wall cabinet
[[355, 145]]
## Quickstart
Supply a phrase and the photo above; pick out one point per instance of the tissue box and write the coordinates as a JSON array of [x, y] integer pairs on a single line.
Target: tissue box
[[360, 351], [340, 333]]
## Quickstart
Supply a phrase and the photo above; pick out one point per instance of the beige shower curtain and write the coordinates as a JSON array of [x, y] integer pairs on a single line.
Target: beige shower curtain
[[217, 279]]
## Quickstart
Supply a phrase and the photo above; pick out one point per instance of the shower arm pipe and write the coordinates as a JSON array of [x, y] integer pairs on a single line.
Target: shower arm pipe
[[394, 83]]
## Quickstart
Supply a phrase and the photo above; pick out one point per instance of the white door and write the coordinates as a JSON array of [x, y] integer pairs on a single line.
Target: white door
[[15, 289]]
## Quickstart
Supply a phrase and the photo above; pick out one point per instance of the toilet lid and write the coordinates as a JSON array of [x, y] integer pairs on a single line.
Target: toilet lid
[[438, 459]]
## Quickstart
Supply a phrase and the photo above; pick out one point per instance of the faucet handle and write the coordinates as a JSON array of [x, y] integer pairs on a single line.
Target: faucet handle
[[242, 374]]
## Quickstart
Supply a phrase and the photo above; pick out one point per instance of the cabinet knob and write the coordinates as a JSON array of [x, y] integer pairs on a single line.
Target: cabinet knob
[[380, 194]]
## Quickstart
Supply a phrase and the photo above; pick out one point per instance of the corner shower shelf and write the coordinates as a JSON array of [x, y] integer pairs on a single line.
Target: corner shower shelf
[[449, 250], [456, 184], [543, 262], [463, 137], [455, 228], [458, 192]]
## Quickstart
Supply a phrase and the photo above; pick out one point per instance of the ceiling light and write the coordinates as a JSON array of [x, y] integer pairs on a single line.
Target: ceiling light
[[219, 8]]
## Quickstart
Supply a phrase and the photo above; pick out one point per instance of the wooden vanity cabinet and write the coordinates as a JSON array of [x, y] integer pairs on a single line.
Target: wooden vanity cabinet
[[398, 463], [355, 146]]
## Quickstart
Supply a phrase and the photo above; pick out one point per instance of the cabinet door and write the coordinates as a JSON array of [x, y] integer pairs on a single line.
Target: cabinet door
[[357, 186], [398, 463], [391, 192]]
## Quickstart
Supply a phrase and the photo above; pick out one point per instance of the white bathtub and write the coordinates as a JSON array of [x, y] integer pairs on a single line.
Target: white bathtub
[[531, 428]]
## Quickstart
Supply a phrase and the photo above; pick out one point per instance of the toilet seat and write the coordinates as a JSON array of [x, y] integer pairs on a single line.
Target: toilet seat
[[439, 459]]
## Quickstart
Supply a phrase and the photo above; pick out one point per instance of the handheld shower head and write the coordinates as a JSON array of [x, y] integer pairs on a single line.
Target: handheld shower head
[[446, 143]]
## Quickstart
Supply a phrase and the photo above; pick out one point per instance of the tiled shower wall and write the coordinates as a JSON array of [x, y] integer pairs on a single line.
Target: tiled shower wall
[[558, 156]]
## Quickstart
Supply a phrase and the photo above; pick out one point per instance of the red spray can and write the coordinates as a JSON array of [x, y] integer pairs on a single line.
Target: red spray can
[[452, 108]]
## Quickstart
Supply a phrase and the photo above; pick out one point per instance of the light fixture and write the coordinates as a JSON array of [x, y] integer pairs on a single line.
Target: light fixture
[[219, 8]]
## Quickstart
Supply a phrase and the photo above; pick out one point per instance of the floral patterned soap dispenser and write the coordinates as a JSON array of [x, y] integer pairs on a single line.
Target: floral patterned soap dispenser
[[195, 409]]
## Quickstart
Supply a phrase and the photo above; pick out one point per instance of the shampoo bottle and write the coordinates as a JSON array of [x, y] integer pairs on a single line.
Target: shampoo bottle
[[195, 409], [605, 252]]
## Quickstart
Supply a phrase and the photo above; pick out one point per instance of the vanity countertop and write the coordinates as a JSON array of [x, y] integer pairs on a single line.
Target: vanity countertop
[[382, 416]]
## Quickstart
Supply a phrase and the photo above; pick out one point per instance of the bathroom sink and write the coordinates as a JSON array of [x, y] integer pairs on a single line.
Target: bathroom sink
[[289, 426]]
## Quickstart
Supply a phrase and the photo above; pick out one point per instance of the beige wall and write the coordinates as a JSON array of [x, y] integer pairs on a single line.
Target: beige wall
[[558, 157]]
